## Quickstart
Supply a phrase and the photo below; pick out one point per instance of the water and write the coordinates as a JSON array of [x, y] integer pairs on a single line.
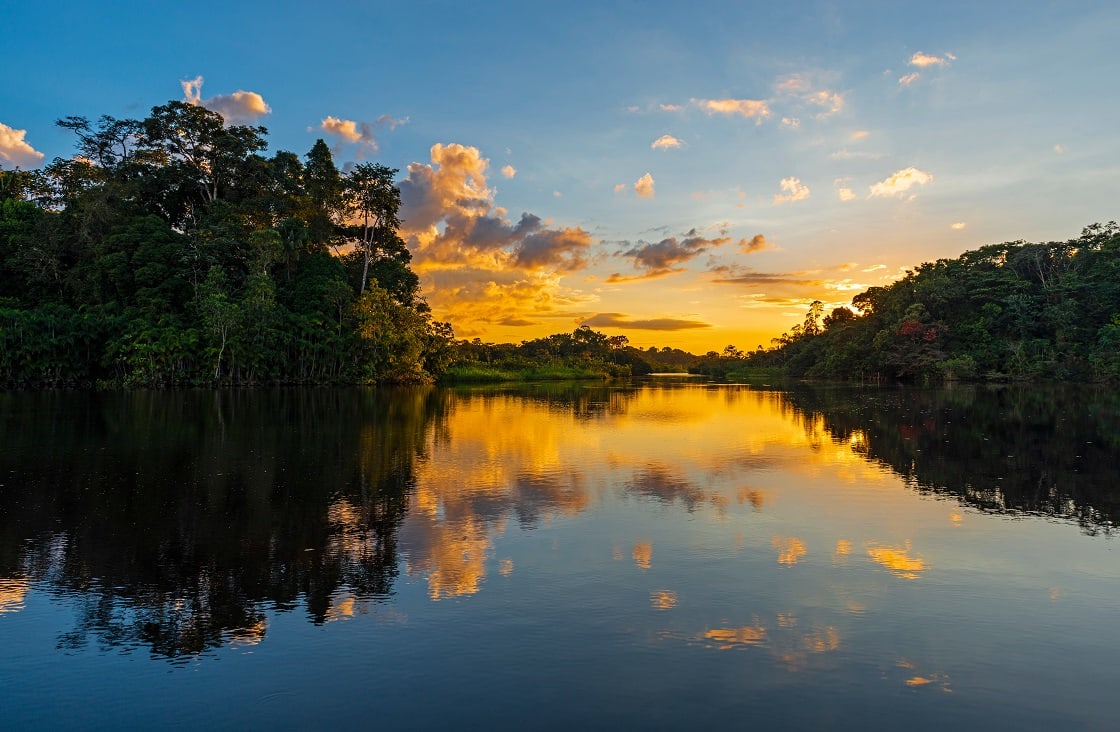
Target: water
[[661, 554]]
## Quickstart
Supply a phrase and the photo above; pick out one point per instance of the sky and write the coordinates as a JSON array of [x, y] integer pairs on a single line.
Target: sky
[[686, 174]]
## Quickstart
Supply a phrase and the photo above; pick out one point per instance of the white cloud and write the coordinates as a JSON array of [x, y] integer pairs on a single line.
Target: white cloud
[[670, 107], [792, 122], [900, 182], [750, 108], [957, 225], [924, 60], [909, 79], [241, 107], [666, 142], [644, 186], [509, 171], [794, 189], [14, 149]]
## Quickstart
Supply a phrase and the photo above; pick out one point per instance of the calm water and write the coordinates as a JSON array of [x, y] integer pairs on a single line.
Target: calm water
[[666, 554]]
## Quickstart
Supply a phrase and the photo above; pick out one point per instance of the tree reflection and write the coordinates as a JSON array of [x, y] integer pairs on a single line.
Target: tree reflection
[[1047, 451], [176, 520]]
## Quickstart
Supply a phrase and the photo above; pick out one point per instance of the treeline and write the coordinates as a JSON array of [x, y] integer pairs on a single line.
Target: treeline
[[170, 251], [1009, 311], [583, 353]]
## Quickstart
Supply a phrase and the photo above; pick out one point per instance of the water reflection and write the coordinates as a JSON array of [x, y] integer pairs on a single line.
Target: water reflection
[[177, 523], [1048, 451]]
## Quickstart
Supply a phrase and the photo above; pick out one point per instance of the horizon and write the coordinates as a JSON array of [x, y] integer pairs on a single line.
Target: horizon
[[687, 177]]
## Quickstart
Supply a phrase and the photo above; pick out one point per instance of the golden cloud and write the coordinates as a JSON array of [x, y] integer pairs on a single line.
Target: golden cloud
[[666, 142], [508, 171], [479, 268], [644, 186], [924, 60], [756, 243], [900, 182], [757, 109], [908, 79], [794, 189], [238, 108], [620, 320], [14, 149], [347, 129]]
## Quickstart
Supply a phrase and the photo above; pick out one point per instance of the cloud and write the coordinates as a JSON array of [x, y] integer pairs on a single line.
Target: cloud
[[958, 225], [794, 189], [15, 151], [477, 266], [239, 108], [859, 135], [671, 107], [757, 109], [620, 188], [875, 268], [737, 275], [900, 182], [644, 186], [756, 243], [509, 171], [620, 320], [793, 122], [802, 87], [842, 190], [665, 256], [832, 101], [347, 129], [924, 60], [666, 142], [1059, 148], [793, 84], [359, 133], [669, 255], [909, 79]]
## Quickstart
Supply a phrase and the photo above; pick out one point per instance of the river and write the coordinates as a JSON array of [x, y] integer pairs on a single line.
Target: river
[[660, 553]]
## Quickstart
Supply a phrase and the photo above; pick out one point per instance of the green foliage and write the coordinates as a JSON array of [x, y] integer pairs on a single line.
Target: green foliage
[[170, 252], [1006, 311]]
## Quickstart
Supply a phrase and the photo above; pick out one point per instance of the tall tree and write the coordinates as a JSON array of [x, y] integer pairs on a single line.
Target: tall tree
[[373, 203]]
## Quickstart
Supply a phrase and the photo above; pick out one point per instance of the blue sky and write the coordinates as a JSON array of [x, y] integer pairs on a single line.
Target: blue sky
[[691, 174]]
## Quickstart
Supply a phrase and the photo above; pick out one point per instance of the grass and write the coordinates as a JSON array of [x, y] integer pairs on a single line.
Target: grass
[[479, 374]]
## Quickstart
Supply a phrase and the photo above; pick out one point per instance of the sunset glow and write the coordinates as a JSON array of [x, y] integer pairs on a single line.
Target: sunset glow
[[686, 176]]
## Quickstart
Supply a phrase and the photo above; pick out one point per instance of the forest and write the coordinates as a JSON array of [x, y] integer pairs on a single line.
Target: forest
[[1013, 311], [170, 251]]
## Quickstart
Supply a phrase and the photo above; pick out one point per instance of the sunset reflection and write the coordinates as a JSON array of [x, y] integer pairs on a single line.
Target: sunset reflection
[[663, 599], [897, 560], [13, 590], [643, 554], [791, 550], [729, 638]]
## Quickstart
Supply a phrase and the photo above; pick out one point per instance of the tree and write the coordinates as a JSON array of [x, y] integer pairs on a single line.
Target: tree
[[373, 201]]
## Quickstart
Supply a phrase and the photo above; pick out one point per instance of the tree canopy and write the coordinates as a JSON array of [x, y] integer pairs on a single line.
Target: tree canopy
[[1016, 310], [172, 250]]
